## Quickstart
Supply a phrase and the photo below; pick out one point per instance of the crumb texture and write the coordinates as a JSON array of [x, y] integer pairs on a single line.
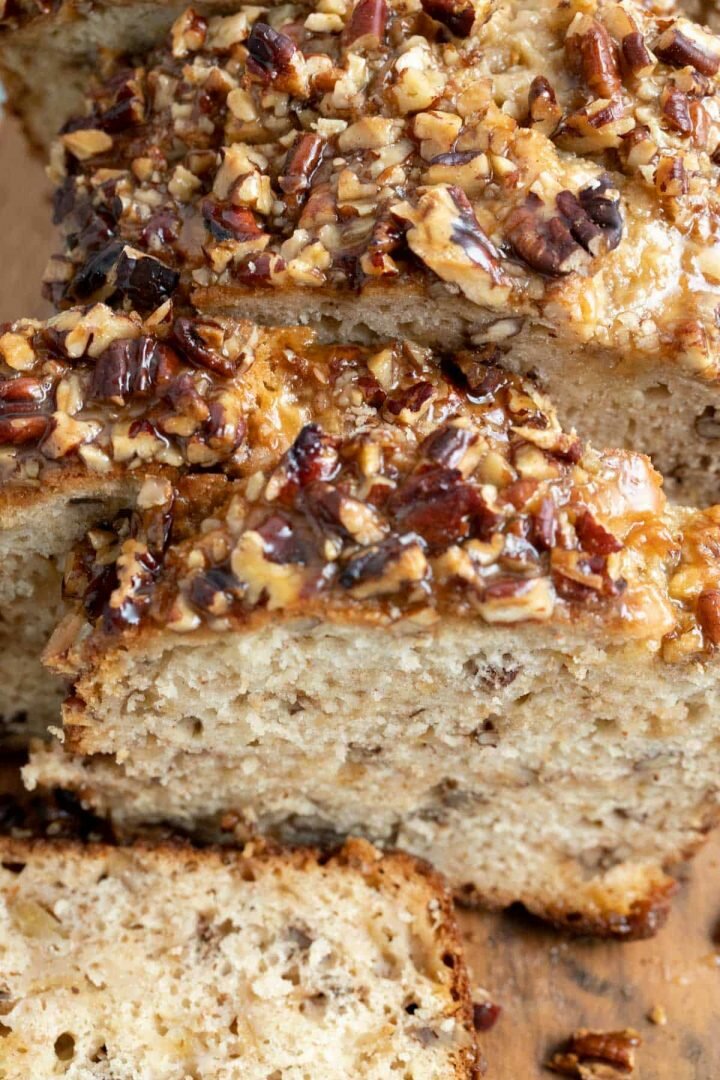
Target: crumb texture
[[147, 964]]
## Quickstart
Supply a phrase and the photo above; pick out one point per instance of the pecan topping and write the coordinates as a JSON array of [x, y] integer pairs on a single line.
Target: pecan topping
[[679, 50], [145, 281], [301, 164], [365, 28], [133, 368], [457, 15], [545, 113], [227, 222], [637, 58], [592, 52], [676, 108], [613, 1048], [270, 51], [468, 233], [385, 568], [193, 335], [594, 537], [439, 506], [708, 615], [16, 431], [546, 245]]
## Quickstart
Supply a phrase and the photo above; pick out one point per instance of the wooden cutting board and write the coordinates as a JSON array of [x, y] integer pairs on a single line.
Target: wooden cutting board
[[546, 984]]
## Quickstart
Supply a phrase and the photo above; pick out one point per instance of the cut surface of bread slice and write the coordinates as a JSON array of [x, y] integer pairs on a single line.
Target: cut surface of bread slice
[[91, 402], [540, 174], [163, 963], [455, 628]]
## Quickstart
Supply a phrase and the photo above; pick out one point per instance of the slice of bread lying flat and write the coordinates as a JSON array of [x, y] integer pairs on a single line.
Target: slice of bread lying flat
[[164, 963], [455, 629], [542, 174]]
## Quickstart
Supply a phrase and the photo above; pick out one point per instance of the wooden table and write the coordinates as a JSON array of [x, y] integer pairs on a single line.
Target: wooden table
[[546, 984]]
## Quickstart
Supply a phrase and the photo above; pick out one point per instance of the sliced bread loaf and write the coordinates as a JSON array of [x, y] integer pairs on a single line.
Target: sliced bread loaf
[[538, 174], [455, 629], [164, 963]]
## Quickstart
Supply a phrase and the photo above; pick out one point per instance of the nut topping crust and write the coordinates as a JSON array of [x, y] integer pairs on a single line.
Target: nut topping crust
[[558, 158], [416, 489]]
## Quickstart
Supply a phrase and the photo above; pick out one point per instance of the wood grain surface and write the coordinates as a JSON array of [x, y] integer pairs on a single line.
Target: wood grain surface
[[546, 984]]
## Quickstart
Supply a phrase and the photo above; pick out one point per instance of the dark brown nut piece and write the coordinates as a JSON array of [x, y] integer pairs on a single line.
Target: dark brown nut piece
[[94, 273], [613, 1048], [365, 29], [708, 615], [545, 244], [448, 445], [270, 51], [124, 102], [17, 431], [544, 523], [679, 50], [21, 395], [676, 109], [312, 457], [458, 16], [442, 508], [302, 161], [637, 58], [594, 217], [144, 280], [409, 402], [384, 569], [227, 222], [133, 368], [486, 1013], [594, 537], [592, 53], [545, 113], [671, 179], [281, 544], [193, 336]]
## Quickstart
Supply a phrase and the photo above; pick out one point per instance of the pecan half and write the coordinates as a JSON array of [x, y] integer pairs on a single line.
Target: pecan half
[[17, 431], [637, 58], [458, 16], [365, 29], [613, 1048], [545, 244], [132, 368]]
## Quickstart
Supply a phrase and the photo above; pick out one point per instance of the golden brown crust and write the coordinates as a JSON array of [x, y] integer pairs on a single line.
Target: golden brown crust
[[553, 160]]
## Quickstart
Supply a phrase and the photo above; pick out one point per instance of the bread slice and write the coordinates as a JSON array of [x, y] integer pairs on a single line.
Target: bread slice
[[91, 403], [538, 175], [170, 963], [454, 629]]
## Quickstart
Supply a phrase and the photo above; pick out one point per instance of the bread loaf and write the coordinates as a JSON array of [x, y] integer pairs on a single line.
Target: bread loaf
[[161, 963], [455, 629], [536, 175]]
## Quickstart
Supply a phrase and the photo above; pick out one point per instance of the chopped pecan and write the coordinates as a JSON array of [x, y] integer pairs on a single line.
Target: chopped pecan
[[227, 222], [365, 29], [312, 457], [408, 403], [144, 280], [124, 102], [94, 273], [442, 507], [676, 109], [17, 431], [132, 368], [21, 395], [594, 537], [385, 568], [671, 179], [592, 52], [545, 113], [485, 1013], [613, 1048], [544, 523], [679, 50], [708, 615], [469, 234], [458, 16], [302, 161], [637, 58], [448, 445], [281, 543], [193, 337], [270, 52], [594, 217]]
